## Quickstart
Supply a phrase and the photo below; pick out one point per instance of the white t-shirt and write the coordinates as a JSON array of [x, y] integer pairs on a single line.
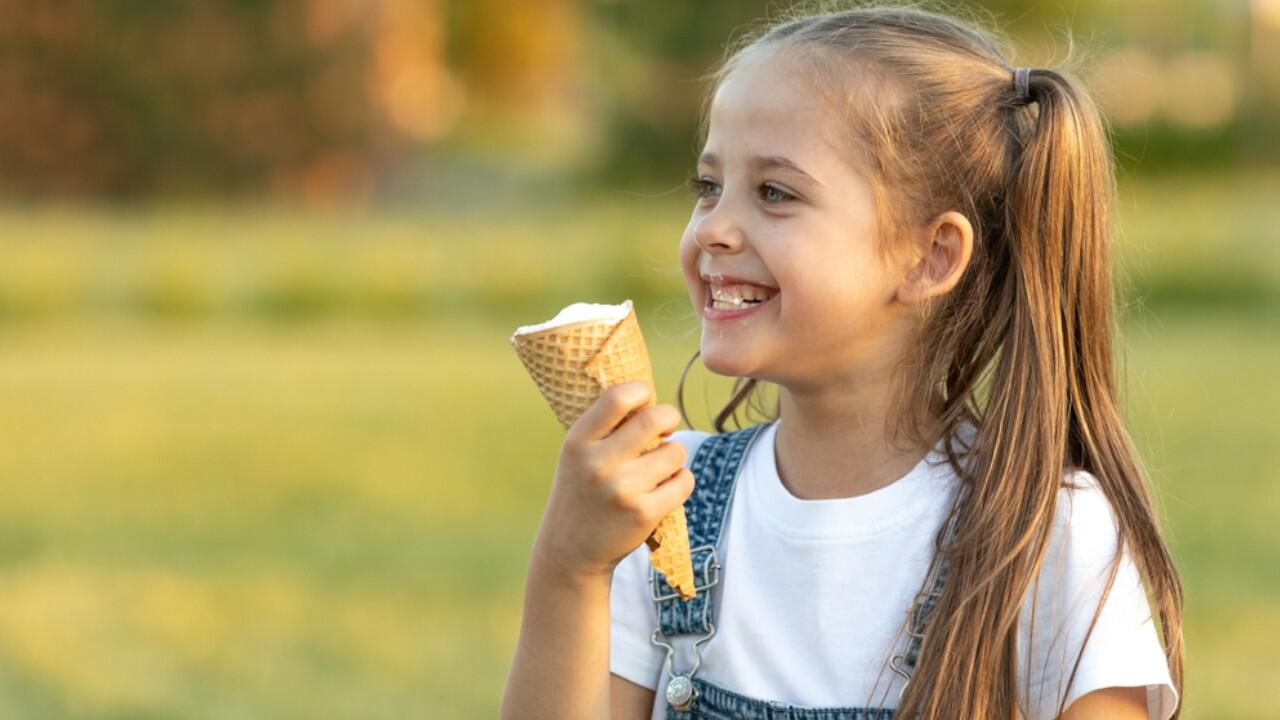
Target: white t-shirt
[[813, 617]]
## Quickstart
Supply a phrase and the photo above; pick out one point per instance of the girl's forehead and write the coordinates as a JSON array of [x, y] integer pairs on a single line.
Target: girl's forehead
[[766, 108], [763, 92]]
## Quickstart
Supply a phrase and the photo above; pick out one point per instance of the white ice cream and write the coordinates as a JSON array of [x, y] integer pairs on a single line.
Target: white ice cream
[[579, 312]]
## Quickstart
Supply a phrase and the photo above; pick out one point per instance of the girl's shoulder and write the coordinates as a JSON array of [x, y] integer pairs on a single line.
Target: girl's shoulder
[[1118, 647], [1084, 531]]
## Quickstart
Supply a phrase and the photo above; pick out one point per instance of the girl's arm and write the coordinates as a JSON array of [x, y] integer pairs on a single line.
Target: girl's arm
[[561, 666], [1112, 703]]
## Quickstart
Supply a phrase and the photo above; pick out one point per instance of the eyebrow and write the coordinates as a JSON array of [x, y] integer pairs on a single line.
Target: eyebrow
[[766, 162]]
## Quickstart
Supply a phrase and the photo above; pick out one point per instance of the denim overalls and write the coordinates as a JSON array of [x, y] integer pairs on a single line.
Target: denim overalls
[[716, 466]]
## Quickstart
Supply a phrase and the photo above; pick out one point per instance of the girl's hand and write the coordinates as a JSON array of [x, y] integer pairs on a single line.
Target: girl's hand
[[608, 497]]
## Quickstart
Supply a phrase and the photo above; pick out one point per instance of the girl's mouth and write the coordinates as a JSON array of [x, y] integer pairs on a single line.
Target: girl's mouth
[[711, 312]]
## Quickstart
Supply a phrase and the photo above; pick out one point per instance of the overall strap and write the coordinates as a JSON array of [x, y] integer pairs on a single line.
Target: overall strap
[[715, 468], [925, 600]]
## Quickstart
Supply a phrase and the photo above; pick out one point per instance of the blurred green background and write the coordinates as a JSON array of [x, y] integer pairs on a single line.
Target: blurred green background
[[264, 448]]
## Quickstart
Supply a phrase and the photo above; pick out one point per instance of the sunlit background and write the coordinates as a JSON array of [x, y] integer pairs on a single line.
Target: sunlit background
[[264, 449]]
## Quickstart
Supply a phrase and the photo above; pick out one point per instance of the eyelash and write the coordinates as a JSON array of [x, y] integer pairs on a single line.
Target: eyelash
[[698, 187]]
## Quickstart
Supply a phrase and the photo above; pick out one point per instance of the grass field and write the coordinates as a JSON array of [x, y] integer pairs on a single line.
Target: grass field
[[206, 515]]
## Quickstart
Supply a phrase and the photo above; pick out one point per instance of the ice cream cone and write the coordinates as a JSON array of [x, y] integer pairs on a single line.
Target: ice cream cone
[[573, 361]]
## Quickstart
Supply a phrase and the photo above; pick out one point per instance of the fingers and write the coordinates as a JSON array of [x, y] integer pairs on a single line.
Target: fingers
[[611, 408], [654, 467], [648, 424], [657, 482], [668, 495]]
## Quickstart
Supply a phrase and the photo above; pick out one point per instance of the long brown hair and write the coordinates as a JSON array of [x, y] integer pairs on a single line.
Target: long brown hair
[[1021, 347]]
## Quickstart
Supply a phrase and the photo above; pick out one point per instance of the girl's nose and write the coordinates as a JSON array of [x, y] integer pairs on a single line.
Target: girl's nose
[[718, 230]]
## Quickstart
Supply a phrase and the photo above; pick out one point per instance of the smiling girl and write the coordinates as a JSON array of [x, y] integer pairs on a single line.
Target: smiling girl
[[943, 516]]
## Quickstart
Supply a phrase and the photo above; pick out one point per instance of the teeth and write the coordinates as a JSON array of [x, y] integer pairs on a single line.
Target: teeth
[[733, 304], [738, 293]]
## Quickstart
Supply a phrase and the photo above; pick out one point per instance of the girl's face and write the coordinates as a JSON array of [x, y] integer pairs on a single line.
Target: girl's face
[[778, 205]]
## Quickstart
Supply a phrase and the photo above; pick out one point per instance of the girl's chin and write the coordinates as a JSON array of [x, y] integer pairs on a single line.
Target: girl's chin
[[724, 362]]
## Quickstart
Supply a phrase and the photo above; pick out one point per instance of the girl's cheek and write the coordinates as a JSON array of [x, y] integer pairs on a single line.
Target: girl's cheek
[[689, 258]]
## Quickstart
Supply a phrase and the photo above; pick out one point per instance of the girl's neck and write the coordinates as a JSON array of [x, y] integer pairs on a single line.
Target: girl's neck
[[837, 444]]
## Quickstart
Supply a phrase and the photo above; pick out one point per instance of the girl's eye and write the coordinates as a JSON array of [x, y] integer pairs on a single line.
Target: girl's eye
[[782, 195], [701, 188]]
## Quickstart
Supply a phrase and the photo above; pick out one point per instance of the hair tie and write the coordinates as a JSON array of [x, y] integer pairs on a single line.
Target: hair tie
[[1022, 85]]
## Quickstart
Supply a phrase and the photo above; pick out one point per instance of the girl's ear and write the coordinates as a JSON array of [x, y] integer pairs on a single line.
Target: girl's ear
[[945, 248]]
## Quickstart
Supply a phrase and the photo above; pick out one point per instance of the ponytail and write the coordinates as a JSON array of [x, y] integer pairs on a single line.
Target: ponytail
[[1059, 202]]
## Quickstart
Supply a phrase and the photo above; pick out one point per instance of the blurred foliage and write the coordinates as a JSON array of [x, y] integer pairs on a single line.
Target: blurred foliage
[[333, 101], [121, 97]]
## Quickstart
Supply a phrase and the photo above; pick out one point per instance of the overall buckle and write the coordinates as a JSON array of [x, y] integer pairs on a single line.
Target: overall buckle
[[710, 573]]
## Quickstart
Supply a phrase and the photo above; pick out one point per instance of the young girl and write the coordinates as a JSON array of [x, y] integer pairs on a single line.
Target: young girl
[[943, 516]]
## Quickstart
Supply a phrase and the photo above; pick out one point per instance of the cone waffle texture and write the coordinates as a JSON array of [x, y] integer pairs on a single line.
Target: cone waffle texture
[[572, 365]]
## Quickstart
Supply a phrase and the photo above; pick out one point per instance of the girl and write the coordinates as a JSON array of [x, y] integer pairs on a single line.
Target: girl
[[943, 516]]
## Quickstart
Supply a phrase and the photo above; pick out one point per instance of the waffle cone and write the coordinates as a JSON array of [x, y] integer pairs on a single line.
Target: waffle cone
[[572, 365]]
